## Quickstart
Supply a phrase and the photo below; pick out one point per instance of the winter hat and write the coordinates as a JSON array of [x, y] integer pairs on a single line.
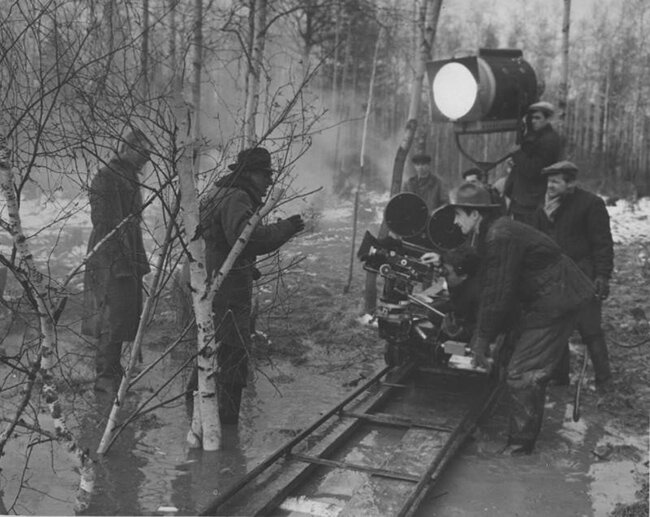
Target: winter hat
[[254, 159]]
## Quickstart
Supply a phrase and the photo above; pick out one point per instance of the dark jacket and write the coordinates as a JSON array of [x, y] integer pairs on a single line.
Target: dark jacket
[[525, 184], [525, 271], [581, 228], [225, 211], [430, 188], [114, 195]]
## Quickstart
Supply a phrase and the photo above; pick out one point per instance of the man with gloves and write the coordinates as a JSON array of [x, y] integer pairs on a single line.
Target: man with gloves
[[225, 210], [578, 221], [522, 272]]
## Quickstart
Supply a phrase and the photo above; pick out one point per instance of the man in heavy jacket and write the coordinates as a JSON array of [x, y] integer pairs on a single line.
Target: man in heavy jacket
[[541, 147], [578, 221], [523, 272], [225, 210], [426, 184], [113, 276]]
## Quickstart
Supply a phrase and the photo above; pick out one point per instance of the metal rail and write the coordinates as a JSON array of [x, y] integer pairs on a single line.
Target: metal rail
[[301, 466], [286, 449]]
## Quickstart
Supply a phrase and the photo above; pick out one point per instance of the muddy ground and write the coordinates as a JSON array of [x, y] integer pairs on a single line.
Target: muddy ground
[[315, 350]]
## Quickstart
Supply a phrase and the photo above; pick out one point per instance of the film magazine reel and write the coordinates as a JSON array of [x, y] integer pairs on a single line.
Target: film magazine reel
[[407, 216]]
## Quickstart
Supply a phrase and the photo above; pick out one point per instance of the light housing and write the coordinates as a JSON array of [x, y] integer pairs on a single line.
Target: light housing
[[487, 92]]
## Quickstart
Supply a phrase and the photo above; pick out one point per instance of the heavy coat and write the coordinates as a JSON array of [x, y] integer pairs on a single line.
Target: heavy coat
[[580, 226], [430, 188], [525, 184], [225, 210], [113, 276], [525, 271]]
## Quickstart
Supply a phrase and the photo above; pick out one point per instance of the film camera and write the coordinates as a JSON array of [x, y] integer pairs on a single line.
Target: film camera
[[412, 310]]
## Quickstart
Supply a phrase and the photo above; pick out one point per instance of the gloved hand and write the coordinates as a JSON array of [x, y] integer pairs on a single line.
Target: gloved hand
[[480, 348], [602, 287], [431, 257], [297, 222]]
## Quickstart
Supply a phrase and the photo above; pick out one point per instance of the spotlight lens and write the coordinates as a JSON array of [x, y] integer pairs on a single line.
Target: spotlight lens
[[454, 90]]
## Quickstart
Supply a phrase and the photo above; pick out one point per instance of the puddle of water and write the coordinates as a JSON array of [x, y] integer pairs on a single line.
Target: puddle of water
[[560, 478]]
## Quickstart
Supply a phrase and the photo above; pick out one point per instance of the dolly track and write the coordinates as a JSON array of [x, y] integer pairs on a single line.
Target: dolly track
[[417, 419]]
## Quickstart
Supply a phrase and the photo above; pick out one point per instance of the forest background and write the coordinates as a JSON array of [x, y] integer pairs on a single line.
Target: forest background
[[206, 78]]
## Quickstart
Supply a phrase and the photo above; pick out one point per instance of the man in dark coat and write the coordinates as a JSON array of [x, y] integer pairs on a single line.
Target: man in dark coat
[[225, 210], [578, 221], [523, 272], [113, 276], [541, 146], [426, 184]]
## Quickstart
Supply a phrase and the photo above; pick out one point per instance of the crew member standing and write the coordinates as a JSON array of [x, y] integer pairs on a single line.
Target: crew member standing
[[578, 221], [225, 211], [523, 271], [426, 183], [113, 276], [541, 147]]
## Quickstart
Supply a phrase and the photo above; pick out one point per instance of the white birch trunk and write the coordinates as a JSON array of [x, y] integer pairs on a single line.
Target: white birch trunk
[[107, 437], [254, 73], [205, 429], [46, 356]]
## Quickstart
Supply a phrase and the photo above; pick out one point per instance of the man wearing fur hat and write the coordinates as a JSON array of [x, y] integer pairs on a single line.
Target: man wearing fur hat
[[225, 210], [578, 221], [541, 146], [425, 183], [523, 272]]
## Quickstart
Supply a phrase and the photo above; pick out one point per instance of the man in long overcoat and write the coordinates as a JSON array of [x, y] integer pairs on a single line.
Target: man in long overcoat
[[523, 272], [541, 147], [113, 276], [225, 210], [578, 221]]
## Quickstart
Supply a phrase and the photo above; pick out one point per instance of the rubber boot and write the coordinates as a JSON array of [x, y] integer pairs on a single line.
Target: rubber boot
[[600, 360], [229, 402], [108, 369]]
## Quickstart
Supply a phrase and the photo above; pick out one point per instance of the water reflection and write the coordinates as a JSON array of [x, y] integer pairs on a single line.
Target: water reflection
[[207, 474], [119, 472]]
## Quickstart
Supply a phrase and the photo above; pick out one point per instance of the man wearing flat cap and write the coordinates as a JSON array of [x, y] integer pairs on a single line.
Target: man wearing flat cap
[[541, 147], [225, 210], [578, 221], [426, 183], [530, 290]]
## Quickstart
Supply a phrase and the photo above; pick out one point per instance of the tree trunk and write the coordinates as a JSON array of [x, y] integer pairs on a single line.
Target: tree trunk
[[429, 16], [47, 356], [144, 52], [364, 137], [254, 72], [564, 81]]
